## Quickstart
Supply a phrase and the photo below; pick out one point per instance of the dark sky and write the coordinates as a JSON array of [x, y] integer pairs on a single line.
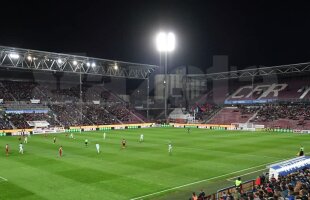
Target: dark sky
[[249, 32]]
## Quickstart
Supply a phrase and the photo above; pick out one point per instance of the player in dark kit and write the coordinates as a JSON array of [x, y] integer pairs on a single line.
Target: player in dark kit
[[188, 130], [54, 140], [86, 142], [301, 151], [60, 151], [123, 143]]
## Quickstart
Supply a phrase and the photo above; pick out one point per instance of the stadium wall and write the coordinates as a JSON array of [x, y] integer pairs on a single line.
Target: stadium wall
[[12, 132]]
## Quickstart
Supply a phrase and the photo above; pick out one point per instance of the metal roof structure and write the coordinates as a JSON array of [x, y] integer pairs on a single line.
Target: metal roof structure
[[27, 59], [258, 71]]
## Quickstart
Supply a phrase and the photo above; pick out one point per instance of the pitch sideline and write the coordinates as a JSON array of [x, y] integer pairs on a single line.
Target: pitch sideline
[[4, 179], [208, 179]]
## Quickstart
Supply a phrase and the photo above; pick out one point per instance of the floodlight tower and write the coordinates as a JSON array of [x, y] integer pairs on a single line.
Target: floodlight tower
[[165, 43]]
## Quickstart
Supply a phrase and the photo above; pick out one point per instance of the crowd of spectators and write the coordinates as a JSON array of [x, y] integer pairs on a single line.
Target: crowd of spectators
[[20, 120], [65, 102], [4, 122], [21, 91], [121, 112], [203, 111], [284, 111], [293, 186], [98, 115], [91, 114], [5, 94], [67, 114]]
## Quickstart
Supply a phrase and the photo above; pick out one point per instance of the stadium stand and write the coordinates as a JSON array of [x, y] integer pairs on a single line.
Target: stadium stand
[[229, 115], [284, 116], [283, 89], [63, 103], [293, 186], [4, 122]]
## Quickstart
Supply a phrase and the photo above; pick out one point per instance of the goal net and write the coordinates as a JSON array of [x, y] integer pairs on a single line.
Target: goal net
[[243, 126]]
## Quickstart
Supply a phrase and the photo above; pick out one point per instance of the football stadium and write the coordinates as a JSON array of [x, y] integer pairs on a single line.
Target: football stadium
[[74, 126], [83, 135]]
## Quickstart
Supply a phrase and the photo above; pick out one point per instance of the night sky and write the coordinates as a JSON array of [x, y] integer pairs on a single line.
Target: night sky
[[249, 32]]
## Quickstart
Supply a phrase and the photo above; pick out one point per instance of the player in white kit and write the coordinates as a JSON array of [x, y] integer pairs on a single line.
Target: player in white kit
[[141, 138], [170, 148], [26, 139], [98, 148], [21, 149]]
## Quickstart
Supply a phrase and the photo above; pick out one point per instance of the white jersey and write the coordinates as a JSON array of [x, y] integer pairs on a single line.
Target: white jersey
[[26, 139], [98, 148], [141, 137], [103, 135], [169, 147], [21, 149]]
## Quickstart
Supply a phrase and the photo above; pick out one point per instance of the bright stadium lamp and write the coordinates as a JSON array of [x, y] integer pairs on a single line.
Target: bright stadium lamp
[[165, 42], [59, 61], [74, 62], [88, 64], [161, 41], [170, 42], [93, 64], [14, 55], [115, 67], [29, 58]]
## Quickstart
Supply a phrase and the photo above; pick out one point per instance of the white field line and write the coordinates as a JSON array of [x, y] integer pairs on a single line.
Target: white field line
[[2, 178], [232, 178], [243, 154], [208, 179]]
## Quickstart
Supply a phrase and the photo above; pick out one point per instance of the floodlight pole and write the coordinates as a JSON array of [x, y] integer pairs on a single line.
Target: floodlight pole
[[165, 43]]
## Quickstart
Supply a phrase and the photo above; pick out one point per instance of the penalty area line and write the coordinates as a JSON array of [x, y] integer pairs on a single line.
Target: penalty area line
[[208, 179]]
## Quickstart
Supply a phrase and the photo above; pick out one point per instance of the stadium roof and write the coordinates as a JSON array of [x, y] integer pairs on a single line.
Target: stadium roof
[[17, 58], [255, 71]]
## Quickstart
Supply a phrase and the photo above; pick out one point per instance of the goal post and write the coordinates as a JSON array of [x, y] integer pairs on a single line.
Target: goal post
[[243, 126]]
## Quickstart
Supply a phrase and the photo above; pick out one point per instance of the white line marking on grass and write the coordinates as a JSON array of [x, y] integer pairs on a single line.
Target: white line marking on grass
[[243, 154], [208, 179], [2, 178], [232, 178]]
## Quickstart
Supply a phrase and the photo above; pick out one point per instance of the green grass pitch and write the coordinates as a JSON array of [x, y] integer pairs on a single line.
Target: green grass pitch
[[142, 168]]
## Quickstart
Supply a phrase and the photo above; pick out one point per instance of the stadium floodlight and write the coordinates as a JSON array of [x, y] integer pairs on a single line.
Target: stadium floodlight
[[14, 55], [74, 62], [59, 61], [161, 41], [29, 58], [93, 64], [165, 42], [170, 42], [115, 66], [88, 64]]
